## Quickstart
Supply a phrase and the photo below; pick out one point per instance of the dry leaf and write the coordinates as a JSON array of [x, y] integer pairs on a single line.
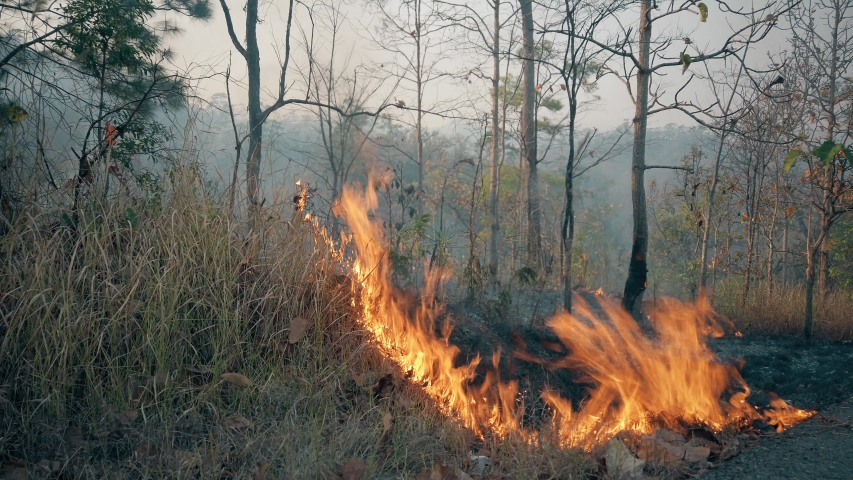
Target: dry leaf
[[238, 422], [146, 451], [387, 422], [127, 417], [236, 379], [387, 425], [620, 462], [354, 469], [298, 326], [443, 472], [259, 472], [184, 459], [790, 211], [406, 401], [696, 454]]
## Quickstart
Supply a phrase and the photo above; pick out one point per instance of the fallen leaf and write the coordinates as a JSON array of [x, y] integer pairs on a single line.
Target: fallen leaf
[[387, 425], [696, 454], [359, 378], [670, 437], [298, 326], [146, 451], [667, 448], [406, 401], [354, 469], [259, 472], [387, 422], [181, 459], [236, 379], [620, 462], [237, 422], [443, 472], [127, 417]]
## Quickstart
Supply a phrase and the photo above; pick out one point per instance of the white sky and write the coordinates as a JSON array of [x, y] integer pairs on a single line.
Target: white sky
[[204, 49]]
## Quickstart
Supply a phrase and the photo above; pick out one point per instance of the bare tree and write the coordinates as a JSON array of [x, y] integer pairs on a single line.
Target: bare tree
[[343, 136], [416, 34], [578, 69], [636, 58], [250, 51], [822, 62], [528, 137]]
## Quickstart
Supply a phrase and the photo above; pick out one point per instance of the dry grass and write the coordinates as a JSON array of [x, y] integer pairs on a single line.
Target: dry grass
[[114, 337], [783, 312]]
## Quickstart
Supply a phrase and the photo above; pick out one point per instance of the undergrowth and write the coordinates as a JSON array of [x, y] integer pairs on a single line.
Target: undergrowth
[[782, 311], [155, 342]]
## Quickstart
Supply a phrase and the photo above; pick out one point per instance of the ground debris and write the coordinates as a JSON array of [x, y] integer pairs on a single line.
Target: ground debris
[[620, 462]]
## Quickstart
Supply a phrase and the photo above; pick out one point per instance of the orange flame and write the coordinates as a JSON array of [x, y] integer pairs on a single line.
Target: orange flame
[[641, 383]]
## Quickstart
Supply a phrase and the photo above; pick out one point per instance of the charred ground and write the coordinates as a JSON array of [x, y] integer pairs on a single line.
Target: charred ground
[[808, 374]]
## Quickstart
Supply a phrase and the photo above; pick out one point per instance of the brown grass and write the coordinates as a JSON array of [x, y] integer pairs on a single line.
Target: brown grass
[[114, 337], [783, 312]]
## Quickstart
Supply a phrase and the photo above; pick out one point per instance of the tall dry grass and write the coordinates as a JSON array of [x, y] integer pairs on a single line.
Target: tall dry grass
[[114, 339], [782, 312]]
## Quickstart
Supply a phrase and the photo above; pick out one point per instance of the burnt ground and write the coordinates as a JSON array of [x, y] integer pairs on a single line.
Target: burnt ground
[[816, 375]]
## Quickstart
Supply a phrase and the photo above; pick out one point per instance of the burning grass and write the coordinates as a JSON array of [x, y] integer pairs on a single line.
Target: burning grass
[[157, 342], [161, 345], [639, 383]]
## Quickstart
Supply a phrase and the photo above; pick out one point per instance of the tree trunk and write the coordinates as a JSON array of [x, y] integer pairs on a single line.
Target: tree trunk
[[636, 283], [494, 187], [568, 230], [810, 281], [528, 139], [419, 86], [706, 234], [253, 64], [785, 252], [829, 170]]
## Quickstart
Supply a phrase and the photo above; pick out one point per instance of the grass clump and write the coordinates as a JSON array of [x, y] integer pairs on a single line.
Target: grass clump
[[117, 339]]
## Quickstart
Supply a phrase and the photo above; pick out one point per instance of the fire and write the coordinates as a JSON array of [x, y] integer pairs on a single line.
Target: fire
[[641, 382]]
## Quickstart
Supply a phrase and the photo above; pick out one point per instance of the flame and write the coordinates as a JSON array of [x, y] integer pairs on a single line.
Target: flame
[[641, 382]]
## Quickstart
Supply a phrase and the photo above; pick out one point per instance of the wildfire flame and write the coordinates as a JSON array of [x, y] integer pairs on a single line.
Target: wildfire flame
[[641, 383]]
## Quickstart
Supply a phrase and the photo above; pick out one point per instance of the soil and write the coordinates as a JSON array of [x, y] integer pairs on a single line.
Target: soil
[[816, 375]]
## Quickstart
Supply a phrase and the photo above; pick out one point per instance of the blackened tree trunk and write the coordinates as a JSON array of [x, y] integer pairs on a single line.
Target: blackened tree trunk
[[638, 267]]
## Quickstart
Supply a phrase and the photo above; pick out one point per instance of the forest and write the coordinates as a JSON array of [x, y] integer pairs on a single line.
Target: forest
[[424, 238]]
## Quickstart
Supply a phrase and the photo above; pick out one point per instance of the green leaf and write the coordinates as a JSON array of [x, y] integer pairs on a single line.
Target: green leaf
[[791, 159], [16, 114], [68, 221], [827, 151], [685, 61], [848, 154], [132, 218], [703, 12]]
